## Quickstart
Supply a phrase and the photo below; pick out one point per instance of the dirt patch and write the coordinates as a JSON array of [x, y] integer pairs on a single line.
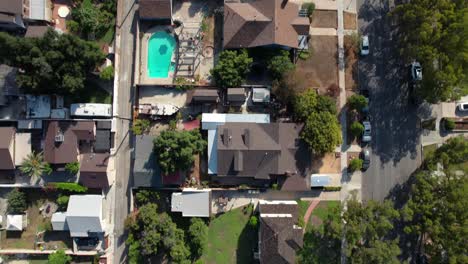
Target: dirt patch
[[320, 70], [349, 20], [351, 63], [324, 19], [330, 163]]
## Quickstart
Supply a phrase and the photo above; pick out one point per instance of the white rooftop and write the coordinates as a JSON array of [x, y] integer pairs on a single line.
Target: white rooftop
[[102, 110], [211, 122], [22, 147], [192, 202], [14, 222], [84, 215]]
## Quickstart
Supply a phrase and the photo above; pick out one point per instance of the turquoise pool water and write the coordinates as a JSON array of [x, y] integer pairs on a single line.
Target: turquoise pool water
[[160, 49]]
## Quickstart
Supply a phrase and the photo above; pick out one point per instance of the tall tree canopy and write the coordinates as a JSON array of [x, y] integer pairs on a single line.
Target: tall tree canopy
[[436, 211], [175, 149], [53, 64], [59, 257], [232, 68], [435, 33], [152, 233]]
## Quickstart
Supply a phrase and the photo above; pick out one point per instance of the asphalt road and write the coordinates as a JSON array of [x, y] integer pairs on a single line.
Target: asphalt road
[[121, 189], [395, 147]]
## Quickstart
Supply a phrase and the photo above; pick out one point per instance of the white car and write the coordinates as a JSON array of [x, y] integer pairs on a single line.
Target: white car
[[463, 106], [366, 136], [416, 71], [365, 45]]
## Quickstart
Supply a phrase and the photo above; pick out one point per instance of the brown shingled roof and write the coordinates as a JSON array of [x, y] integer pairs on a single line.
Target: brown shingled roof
[[6, 157], [262, 22], [155, 9], [11, 6], [93, 170]]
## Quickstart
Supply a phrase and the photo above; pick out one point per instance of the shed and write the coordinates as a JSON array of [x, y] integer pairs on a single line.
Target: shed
[[15, 223], [205, 96], [260, 95], [192, 202], [319, 180], [59, 222], [236, 95]]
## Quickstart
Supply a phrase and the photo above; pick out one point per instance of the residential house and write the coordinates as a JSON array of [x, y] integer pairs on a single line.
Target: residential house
[[279, 235], [93, 170], [146, 173], [192, 202], [16, 14], [14, 148], [270, 23]]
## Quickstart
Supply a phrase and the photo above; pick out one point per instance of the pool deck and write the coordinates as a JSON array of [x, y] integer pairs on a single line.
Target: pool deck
[[144, 79]]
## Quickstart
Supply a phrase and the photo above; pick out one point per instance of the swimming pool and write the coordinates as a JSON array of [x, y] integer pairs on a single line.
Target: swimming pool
[[160, 49]]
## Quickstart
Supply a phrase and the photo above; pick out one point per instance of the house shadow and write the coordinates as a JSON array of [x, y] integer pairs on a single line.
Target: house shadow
[[247, 245]]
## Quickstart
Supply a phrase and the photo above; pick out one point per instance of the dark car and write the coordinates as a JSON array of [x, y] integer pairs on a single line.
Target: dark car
[[365, 156]]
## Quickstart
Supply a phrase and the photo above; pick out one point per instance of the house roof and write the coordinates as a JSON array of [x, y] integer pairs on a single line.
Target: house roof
[[8, 84], [6, 156], [257, 150], [93, 170], [236, 94], [11, 6], [205, 95], [84, 215], [262, 22], [67, 151], [280, 237], [22, 147], [146, 173], [155, 9], [102, 143], [14, 222], [36, 31], [192, 202]]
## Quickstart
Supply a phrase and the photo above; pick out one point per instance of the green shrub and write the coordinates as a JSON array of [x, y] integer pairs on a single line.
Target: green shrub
[[59, 257], [73, 167], [357, 102], [356, 129], [355, 164], [274, 186], [140, 126], [73, 26], [62, 202], [310, 7], [47, 168], [253, 221], [107, 73], [172, 124], [146, 196], [16, 202], [449, 124], [332, 188], [71, 187], [280, 64], [182, 84], [304, 54]]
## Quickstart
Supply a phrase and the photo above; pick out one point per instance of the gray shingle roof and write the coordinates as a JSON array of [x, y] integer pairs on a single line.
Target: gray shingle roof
[[146, 173], [84, 215]]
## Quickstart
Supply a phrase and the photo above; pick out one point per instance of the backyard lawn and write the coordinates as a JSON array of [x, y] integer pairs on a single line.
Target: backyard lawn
[[230, 239], [320, 213], [303, 206]]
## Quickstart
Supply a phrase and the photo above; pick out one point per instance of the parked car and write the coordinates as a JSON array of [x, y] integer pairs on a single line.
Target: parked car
[[365, 45], [463, 106], [366, 136], [365, 156], [416, 71]]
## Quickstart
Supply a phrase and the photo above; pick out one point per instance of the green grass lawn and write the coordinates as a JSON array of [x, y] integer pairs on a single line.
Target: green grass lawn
[[427, 150], [320, 212], [230, 239], [303, 206]]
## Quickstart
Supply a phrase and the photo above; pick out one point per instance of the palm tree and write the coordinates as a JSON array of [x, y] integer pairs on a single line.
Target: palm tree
[[34, 165]]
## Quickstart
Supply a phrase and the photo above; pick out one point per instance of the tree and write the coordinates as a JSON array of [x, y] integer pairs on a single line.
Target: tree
[[62, 201], [356, 129], [366, 230], [140, 126], [253, 221], [151, 232], [175, 149], [321, 132], [73, 167], [92, 20], [357, 102], [34, 165], [232, 68], [449, 124], [434, 33], [59, 257], [53, 64], [326, 103], [16, 202], [198, 236], [107, 73], [280, 64], [355, 164], [305, 104]]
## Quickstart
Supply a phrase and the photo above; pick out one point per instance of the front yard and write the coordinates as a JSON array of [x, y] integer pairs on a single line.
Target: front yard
[[230, 239], [321, 212]]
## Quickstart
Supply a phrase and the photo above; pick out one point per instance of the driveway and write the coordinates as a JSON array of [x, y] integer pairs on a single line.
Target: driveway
[[395, 146]]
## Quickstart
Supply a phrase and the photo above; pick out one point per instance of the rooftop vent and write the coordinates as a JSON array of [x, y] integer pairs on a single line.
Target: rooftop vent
[[59, 138]]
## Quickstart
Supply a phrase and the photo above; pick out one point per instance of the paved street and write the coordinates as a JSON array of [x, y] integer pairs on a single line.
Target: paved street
[[395, 143], [123, 96]]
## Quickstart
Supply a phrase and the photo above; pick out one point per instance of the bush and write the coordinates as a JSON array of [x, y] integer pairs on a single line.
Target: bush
[[140, 126], [59, 257], [73, 167], [62, 202], [356, 129], [279, 64], [182, 84], [107, 73], [172, 124], [146, 196], [332, 188], [253, 221], [68, 187], [232, 68], [304, 54], [449, 124], [47, 168], [333, 90], [357, 102], [310, 7], [16, 202], [355, 164], [274, 186]]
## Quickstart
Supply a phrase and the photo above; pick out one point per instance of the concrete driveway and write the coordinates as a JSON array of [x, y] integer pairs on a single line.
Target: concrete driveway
[[395, 146]]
